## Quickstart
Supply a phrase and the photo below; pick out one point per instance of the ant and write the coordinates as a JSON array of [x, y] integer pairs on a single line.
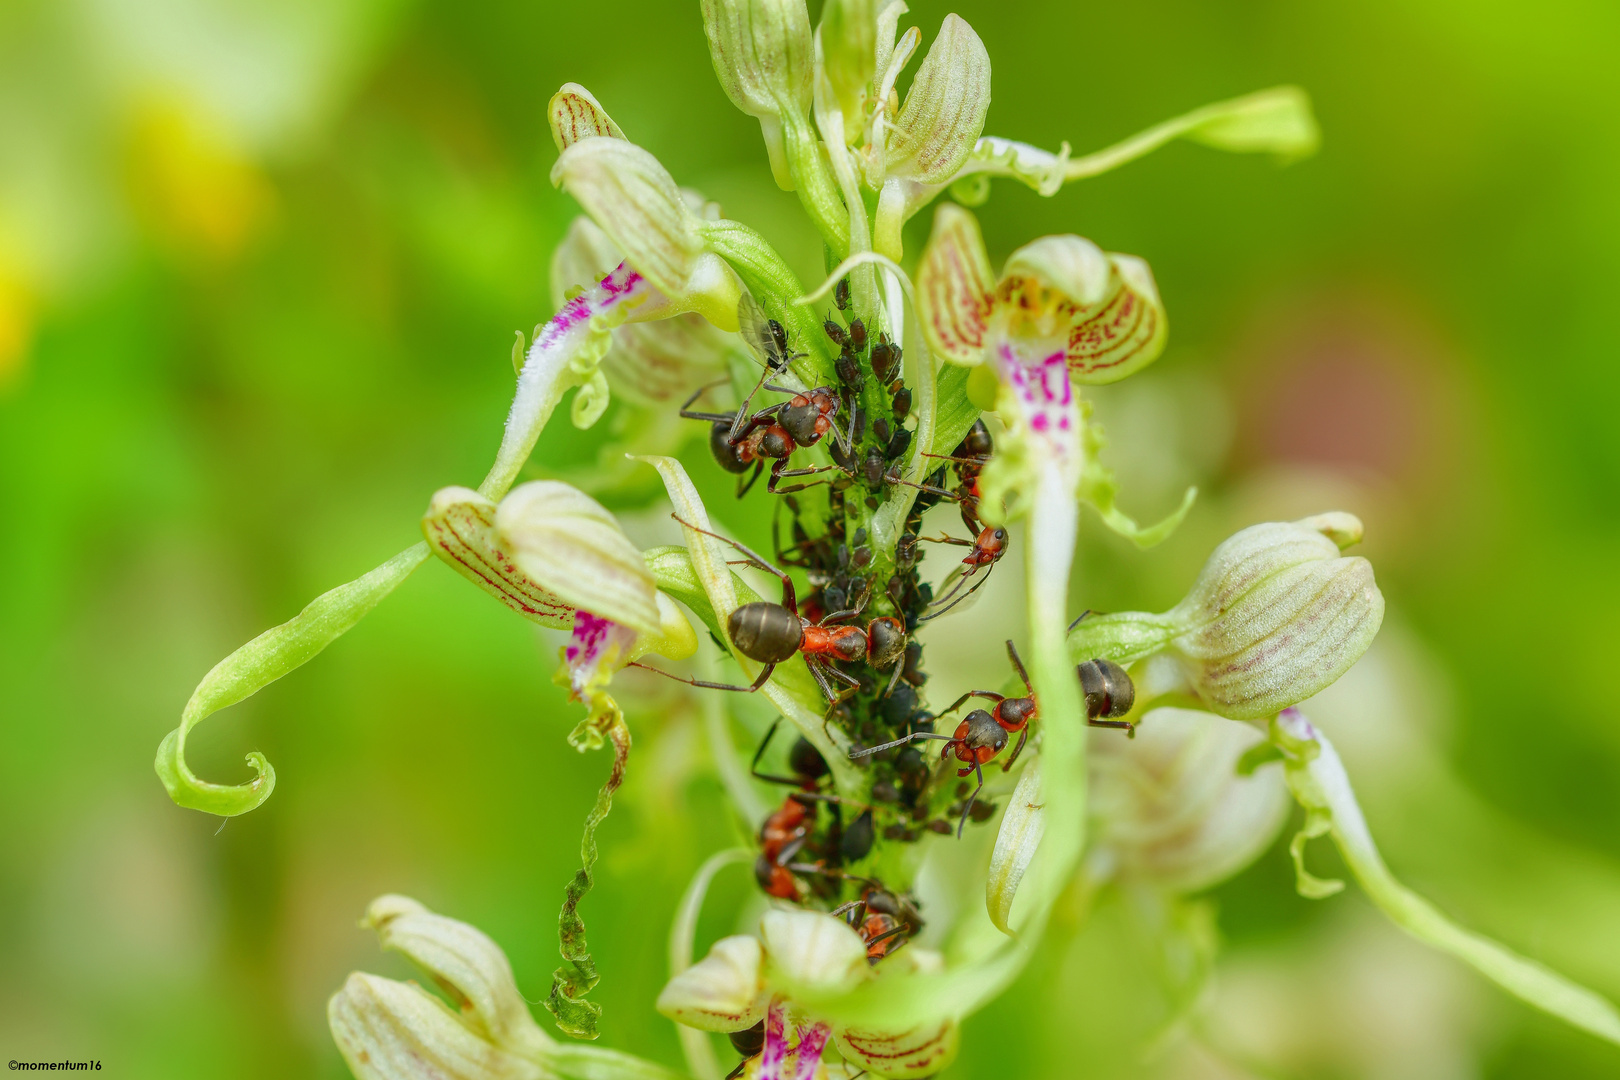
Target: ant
[[881, 916], [969, 459], [773, 633], [773, 432], [981, 735], [987, 550]]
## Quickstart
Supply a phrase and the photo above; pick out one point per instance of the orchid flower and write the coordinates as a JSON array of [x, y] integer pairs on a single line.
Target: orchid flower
[[798, 959]]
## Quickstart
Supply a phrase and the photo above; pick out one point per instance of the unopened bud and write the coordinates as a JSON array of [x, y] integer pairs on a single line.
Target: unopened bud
[[1170, 806], [1277, 615], [849, 55], [764, 58], [575, 114], [1278, 121]]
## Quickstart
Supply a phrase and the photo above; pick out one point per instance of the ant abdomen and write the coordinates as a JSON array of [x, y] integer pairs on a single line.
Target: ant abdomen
[[1108, 689]]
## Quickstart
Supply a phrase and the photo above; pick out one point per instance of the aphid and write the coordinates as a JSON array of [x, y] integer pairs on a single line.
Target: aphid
[[857, 335], [848, 366], [886, 358], [768, 340], [841, 294], [978, 739], [773, 633], [987, 550], [902, 404], [803, 758], [839, 335]]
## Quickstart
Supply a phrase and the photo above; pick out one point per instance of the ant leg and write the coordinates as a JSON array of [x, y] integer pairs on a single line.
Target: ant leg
[[961, 598], [974, 459], [1123, 725], [848, 907], [699, 392], [1079, 619], [1018, 666], [902, 742], [894, 679], [742, 410], [753, 767], [990, 694], [902, 928], [764, 674], [968, 809], [928, 488], [789, 599], [1019, 749], [743, 487], [943, 539]]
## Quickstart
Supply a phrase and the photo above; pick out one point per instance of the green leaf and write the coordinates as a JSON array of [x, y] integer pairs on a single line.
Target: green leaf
[[1318, 780], [261, 662]]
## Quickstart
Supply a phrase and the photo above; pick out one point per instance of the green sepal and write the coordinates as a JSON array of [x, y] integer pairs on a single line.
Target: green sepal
[[1122, 636], [260, 662], [956, 411]]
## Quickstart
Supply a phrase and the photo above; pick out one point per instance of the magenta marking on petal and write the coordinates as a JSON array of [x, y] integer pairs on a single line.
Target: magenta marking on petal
[[809, 1053], [770, 1060]]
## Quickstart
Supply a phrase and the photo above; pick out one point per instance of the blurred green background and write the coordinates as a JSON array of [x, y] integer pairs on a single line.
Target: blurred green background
[[260, 266]]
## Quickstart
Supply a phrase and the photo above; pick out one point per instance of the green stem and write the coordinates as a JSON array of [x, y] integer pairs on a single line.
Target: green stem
[[813, 181]]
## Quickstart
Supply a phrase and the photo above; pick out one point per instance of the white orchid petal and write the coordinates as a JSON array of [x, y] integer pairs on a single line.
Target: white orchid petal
[[1022, 826], [566, 542], [575, 114], [721, 992], [944, 110], [812, 954], [460, 527], [389, 1030], [954, 287], [465, 963]]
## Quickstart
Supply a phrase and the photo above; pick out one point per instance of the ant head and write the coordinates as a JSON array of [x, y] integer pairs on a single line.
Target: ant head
[[993, 538], [728, 455], [886, 641], [982, 732]]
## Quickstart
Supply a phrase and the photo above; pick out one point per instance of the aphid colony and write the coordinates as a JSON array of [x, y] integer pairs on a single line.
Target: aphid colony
[[855, 625]]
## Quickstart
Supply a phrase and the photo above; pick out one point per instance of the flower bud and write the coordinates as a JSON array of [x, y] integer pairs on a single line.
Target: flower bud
[[1170, 806], [1277, 121], [812, 953], [944, 110], [649, 363], [1277, 615], [567, 543], [389, 1030], [464, 962], [764, 58], [848, 35], [721, 992], [636, 203]]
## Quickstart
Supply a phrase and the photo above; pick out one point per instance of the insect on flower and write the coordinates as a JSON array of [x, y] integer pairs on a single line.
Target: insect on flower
[[987, 549], [773, 633]]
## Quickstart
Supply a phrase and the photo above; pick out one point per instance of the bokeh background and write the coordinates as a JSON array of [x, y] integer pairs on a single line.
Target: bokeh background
[[260, 267]]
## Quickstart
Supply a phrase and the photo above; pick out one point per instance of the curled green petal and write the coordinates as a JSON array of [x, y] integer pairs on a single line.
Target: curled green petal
[[1099, 488], [1021, 829], [261, 662], [1318, 780], [571, 982]]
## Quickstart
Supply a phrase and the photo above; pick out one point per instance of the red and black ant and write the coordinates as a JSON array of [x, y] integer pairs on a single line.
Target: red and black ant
[[987, 550], [771, 433], [982, 735], [969, 459], [773, 633], [881, 917]]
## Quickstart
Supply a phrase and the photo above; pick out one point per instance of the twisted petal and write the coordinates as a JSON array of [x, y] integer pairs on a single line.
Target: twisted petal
[[722, 992], [944, 111], [575, 114], [260, 662], [389, 1030], [565, 541], [954, 287]]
